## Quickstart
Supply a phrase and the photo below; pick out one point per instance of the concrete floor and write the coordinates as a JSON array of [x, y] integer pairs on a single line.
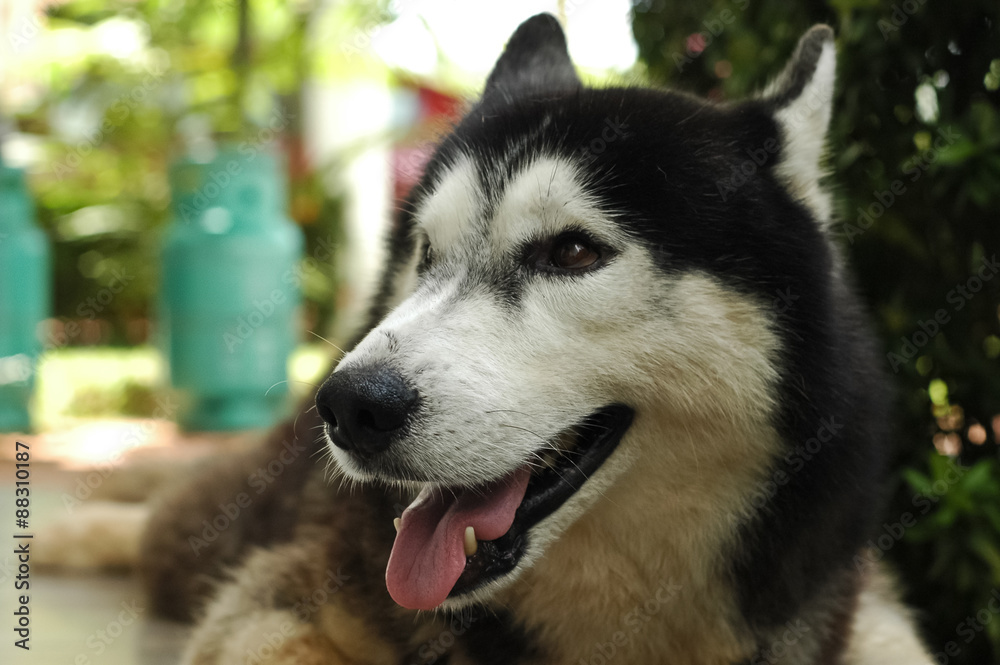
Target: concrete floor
[[81, 615], [92, 620]]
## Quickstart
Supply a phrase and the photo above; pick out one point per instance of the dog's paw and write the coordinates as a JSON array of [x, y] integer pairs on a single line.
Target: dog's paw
[[291, 604], [264, 638], [276, 637], [96, 535]]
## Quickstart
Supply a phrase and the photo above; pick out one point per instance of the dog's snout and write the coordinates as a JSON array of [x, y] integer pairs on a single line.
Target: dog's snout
[[365, 407]]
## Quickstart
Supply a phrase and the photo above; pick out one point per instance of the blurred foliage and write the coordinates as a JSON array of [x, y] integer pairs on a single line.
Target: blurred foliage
[[170, 77], [128, 398], [908, 73], [111, 382]]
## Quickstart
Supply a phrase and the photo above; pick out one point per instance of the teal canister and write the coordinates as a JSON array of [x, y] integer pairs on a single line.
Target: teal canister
[[25, 298], [230, 289]]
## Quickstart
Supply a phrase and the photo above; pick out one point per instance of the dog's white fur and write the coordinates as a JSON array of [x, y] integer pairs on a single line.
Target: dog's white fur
[[804, 125], [698, 361], [698, 364]]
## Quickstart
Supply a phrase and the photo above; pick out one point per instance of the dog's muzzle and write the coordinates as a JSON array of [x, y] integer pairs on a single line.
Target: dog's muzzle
[[453, 540]]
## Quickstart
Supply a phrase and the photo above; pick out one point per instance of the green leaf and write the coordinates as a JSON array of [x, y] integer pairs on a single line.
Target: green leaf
[[918, 481], [981, 477], [987, 550]]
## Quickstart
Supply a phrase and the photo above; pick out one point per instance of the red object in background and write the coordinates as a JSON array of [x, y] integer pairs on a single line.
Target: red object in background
[[436, 111], [434, 104]]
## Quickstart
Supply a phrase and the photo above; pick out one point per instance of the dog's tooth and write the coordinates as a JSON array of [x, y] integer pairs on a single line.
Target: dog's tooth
[[396, 522], [470, 541]]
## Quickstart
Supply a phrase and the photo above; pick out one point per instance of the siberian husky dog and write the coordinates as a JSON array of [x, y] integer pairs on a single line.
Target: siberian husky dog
[[616, 401]]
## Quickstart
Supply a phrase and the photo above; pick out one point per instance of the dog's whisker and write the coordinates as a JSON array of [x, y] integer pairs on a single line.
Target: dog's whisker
[[277, 383], [524, 429], [520, 413], [315, 334]]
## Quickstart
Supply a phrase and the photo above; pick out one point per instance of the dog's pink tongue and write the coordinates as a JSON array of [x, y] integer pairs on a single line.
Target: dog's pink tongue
[[429, 553]]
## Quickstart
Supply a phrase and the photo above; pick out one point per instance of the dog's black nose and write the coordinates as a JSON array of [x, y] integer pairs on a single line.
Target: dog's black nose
[[365, 407]]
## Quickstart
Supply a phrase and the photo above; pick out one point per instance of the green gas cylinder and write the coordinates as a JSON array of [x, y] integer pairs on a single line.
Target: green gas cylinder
[[24, 298], [229, 290]]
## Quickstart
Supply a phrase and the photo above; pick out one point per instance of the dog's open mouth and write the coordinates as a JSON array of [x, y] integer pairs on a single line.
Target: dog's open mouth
[[451, 541]]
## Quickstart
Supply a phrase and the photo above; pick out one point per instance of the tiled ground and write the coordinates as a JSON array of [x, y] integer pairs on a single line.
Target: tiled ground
[[88, 617], [93, 620]]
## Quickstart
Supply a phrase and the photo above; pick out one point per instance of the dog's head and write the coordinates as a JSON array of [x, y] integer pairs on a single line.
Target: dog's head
[[577, 268]]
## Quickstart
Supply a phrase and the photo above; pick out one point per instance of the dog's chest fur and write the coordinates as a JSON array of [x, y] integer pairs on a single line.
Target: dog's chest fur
[[617, 584], [721, 525]]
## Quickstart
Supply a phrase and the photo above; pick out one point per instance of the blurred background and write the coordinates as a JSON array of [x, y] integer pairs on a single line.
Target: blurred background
[[193, 195]]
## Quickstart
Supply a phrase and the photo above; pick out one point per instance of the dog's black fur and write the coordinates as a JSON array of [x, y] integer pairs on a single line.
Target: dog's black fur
[[671, 201], [758, 240]]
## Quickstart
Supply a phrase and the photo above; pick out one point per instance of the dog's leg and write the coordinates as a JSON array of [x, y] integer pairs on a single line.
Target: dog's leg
[[272, 637], [206, 524], [96, 535], [296, 604]]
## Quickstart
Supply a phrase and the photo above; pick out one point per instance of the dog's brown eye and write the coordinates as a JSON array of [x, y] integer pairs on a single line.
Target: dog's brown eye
[[569, 253], [574, 254]]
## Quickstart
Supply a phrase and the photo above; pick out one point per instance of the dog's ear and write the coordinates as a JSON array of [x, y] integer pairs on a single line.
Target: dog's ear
[[535, 60], [801, 99]]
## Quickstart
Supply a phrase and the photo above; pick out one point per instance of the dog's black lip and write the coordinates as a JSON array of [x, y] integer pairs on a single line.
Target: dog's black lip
[[547, 491]]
